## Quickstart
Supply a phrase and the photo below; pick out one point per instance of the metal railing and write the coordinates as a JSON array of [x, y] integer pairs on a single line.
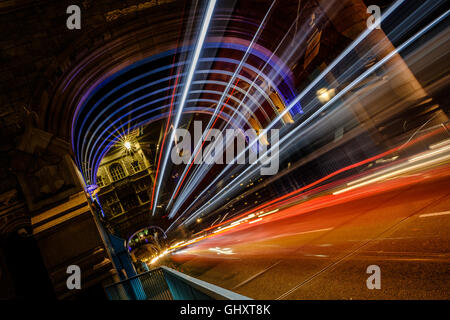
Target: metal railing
[[167, 284]]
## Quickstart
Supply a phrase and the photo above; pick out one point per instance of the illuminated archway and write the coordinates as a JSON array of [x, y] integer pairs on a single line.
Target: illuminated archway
[[143, 92]]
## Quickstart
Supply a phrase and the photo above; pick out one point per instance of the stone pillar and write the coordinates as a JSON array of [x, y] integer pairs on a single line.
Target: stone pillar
[[61, 218], [349, 17], [22, 271]]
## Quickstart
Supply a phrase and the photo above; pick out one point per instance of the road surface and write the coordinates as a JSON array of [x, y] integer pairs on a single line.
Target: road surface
[[321, 248]]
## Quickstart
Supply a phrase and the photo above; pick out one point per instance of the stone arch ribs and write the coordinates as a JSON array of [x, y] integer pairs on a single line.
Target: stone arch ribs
[[108, 54], [140, 94], [102, 48]]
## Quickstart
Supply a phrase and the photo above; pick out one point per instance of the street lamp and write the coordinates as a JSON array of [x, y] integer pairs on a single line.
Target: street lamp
[[324, 95]]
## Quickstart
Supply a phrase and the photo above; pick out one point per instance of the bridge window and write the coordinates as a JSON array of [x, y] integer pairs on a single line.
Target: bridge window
[[143, 196], [116, 209], [100, 182], [116, 171], [111, 199], [136, 166], [130, 202]]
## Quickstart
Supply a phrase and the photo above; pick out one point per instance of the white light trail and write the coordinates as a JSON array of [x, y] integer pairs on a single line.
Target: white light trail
[[267, 213], [440, 144], [195, 182], [222, 98], [394, 173], [434, 214], [187, 85], [295, 43], [308, 89], [237, 181], [226, 251], [254, 221]]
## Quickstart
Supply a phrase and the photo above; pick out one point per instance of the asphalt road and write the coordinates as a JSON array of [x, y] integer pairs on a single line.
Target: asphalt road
[[321, 248]]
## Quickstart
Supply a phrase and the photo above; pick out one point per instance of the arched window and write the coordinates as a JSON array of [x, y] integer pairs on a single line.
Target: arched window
[[116, 171], [100, 182], [136, 166]]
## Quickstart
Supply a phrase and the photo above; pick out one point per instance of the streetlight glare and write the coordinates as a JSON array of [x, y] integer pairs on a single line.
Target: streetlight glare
[[324, 95]]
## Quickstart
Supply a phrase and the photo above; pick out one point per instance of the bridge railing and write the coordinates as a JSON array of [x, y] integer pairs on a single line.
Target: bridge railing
[[167, 284]]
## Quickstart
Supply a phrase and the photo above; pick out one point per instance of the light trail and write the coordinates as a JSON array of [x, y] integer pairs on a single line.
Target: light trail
[[213, 119], [398, 170], [259, 74], [164, 140], [187, 85], [254, 221], [308, 89], [345, 90], [301, 208], [426, 215], [226, 251], [295, 43], [290, 197]]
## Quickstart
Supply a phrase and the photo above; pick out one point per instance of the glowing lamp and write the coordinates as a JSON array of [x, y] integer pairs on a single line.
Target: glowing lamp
[[325, 95]]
